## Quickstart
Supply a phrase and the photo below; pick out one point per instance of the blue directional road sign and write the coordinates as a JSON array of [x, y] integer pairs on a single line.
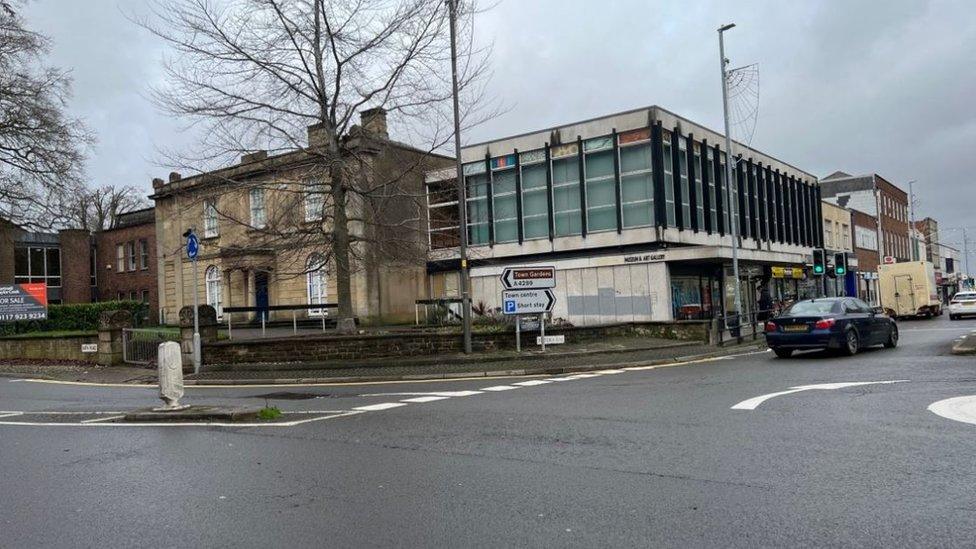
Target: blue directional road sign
[[192, 246]]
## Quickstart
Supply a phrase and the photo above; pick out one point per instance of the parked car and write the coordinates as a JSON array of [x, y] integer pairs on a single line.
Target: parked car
[[962, 304], [846, 324]]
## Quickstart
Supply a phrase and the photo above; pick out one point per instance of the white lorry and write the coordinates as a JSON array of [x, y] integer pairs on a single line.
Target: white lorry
[[909, 289]]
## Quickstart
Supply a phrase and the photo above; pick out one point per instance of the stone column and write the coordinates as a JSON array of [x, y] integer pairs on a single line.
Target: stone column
[[208, 332], [110, 326]]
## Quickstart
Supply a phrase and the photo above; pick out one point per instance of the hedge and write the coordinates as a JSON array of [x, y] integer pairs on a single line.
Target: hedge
[[76, 317]]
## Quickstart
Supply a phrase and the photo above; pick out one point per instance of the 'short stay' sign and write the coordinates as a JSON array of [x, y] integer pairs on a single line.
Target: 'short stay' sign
[[23, 302]]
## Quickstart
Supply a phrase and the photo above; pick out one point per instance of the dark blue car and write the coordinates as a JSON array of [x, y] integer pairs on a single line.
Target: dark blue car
[[845, 324]]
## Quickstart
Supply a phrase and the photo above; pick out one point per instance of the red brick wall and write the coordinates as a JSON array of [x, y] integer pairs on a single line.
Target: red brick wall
[[867, 260], [111, 281], [75, 266], [894, 222]]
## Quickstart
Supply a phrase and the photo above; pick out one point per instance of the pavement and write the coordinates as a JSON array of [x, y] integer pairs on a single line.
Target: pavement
[[741, 451], [556, 359], [965, 344]]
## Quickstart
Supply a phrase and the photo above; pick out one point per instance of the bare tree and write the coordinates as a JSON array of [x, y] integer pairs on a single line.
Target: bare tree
[[256, 74], [96, 209], [41, 147]]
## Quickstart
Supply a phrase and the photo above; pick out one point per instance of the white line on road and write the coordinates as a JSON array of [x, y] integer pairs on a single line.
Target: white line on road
[[177, 424], [957, 409], [98, 419], [378, 407], [10, 414], [497, 388], [433, 393], [425, 399], [532, 382], [753, 403]]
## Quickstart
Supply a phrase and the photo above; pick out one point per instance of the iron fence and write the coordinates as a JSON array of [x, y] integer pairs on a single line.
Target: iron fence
[[139, 345]]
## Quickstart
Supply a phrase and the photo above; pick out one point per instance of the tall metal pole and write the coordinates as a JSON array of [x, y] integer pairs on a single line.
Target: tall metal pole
[[733, 213], [462, 194], [196, 320], [965, 250], [911, 216]]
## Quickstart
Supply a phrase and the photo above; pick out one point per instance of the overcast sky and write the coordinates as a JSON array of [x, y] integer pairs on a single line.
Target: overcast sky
[[870, 86]]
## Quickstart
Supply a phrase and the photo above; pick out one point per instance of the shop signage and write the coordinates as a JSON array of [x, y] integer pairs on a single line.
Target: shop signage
[[786, 272], [23, 302], [527, 302], [889, 260], [644, 258], [529, 278]]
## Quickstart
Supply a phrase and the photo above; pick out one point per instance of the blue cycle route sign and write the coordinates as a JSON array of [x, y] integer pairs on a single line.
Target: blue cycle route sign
[[192, 246]]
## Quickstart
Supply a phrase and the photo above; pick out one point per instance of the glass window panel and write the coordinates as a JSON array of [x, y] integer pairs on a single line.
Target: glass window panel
[[503, 182], [668, 182], [37, 262], [54, 282], [599, 165], [534, 177], [601, 193], [568, 223], [506, 231], [536, 227], [566, 198], [505, 207], [478, 234], [636, 215], [54, 262], [601, 219], [636, 187], [565, 170], [635, 158], [478, 210], [477, 185], [534, 203]]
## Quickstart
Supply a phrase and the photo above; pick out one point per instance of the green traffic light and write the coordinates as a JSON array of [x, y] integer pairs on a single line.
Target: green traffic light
[[818, 269]]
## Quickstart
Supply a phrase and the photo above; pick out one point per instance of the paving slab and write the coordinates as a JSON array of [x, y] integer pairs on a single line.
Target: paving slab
[[195, 413]]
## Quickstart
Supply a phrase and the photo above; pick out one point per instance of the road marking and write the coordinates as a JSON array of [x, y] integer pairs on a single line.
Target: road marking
[[499, 388], [103, 422], [378, 407], [98, 419], [753, 403], [532, 382], [610, 372], [433, 393], [957, 409], [425, 399], [10, 414]]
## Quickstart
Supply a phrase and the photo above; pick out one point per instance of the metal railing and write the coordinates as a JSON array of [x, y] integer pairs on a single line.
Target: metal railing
[[264, 314], [139, 345], [445, 311], [742, 327]]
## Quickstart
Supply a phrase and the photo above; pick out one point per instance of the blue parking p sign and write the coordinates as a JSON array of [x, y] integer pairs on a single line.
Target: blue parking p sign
[[509, 306]]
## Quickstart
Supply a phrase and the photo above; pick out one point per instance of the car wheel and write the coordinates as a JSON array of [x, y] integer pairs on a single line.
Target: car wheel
[[953, 317], [892, 341], [783, 353], [851, 343]]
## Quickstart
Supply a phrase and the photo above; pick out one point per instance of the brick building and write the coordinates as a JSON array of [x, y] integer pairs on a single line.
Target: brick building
[[60, 259], [879, 198], [126, 260], [866, 251]]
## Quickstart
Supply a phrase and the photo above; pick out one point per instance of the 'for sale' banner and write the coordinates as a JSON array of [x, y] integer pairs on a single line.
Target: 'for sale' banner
[[23, 302]]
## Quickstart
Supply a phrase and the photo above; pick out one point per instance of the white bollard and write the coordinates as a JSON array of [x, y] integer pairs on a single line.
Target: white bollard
[[170, 362]]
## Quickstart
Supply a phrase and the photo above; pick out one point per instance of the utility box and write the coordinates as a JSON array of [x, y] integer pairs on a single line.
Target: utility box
[[909, 289]]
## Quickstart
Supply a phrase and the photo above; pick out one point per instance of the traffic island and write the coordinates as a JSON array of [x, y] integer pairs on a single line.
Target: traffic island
[[196, 413], [965, 346]]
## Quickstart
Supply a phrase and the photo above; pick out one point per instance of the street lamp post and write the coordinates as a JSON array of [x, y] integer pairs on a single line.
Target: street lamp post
[[733, 222], [462, 194]]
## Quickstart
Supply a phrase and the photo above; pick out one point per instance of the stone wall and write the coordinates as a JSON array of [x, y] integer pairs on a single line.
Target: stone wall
[[359, 347], [48, 348]]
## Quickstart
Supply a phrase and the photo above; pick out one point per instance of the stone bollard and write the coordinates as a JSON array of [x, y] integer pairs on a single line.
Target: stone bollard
[[110, 326], [346, 326], [208, 331], [170, 364]]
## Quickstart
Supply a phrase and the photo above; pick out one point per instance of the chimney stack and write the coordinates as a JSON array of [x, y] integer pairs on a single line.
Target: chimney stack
[[174, 177], [374, 122], [157, 183]]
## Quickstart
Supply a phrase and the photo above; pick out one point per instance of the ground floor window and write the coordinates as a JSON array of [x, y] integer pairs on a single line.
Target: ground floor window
[[693, 297], [315, 283], [214, 291]]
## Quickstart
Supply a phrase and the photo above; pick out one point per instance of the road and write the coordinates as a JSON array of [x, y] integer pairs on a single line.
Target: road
[[648, 458]]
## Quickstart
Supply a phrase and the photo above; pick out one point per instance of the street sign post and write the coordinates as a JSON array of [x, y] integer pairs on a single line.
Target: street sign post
[[525, 302], [192, 250], [529, 278]]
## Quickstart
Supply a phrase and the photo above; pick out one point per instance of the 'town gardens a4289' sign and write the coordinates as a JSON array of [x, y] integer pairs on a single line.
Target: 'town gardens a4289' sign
[[23, 302]]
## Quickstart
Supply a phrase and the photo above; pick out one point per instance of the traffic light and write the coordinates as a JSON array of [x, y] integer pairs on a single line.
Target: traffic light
[[819, 262], [840, 263]]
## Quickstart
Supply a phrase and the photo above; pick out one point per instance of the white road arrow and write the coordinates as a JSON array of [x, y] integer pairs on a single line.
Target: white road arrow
[[753, 403], [957, 409]]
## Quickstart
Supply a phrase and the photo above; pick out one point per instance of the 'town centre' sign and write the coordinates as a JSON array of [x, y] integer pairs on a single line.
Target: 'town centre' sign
[[527, 302], [23, 302]]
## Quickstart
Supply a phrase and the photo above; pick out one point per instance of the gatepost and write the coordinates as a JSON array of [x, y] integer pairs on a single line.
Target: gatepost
[[110, 326], [208, 330]]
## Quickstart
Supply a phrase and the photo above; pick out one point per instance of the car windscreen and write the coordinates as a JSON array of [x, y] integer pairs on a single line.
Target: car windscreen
[[811, 308], [969, 296]]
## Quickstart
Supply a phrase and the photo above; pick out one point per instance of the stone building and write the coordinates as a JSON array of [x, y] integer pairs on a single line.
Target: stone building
[[126, 261], [263, 226]]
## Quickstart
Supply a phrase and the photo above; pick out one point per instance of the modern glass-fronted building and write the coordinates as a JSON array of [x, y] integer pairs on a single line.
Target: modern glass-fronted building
[[634, 211]]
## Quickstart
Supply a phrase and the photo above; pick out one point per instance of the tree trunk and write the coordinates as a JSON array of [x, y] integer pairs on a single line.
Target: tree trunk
[[340, 241]]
